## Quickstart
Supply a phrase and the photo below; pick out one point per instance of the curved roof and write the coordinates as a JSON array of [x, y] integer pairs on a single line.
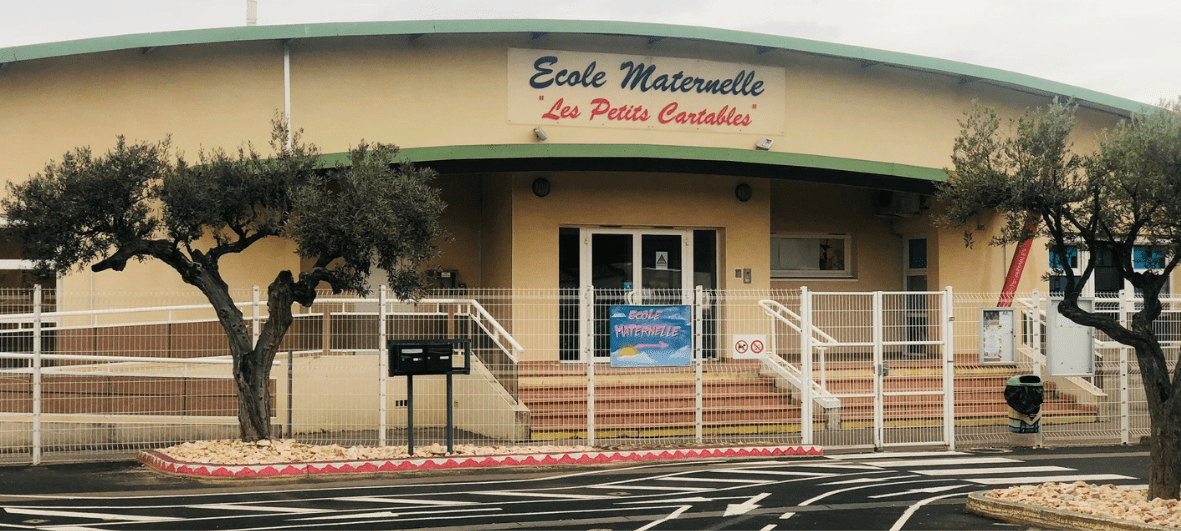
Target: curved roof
[[762, 42]]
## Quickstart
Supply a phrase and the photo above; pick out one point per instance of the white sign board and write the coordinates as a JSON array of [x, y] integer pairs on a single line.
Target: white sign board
[[1070, 347], [997, 336], [595, 89], [749, 346]]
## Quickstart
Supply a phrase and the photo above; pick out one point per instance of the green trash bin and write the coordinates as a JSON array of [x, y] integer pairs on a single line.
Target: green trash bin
[[1024, 394]]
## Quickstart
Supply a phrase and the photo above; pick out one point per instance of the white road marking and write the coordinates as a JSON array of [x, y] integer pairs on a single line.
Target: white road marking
[[847, 489], [715, 480], [744, 507], [950, 461], [677, 500], [405, 501], [774, 472], [993, 470], [391, 514], [544, 495], [683, 500], [910, 510], [93, 516], [838, 466], [928, 490], [617, 486], [382, 514], [259, 508], [892, 455], [867, 480], [768, 527], [671, 516], [1044, 479]]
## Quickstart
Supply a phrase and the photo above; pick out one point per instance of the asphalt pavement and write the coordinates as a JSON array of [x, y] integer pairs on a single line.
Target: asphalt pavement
[[884, 490]]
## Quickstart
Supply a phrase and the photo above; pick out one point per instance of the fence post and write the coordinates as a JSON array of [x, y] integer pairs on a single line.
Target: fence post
[[806, 435], [383, 368], [699, 401], [1035, 335], [588, 356], [1125, 423], [878, 370], [37, 374], [949, 368]]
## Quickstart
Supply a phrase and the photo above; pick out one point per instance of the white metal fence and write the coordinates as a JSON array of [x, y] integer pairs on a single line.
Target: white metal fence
[[83, 376]]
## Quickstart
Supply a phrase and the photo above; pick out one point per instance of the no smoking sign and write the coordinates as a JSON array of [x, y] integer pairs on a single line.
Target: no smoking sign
[[749, 346]]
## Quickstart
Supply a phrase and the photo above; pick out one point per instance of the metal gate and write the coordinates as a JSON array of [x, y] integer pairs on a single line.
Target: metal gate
[[888, 357]]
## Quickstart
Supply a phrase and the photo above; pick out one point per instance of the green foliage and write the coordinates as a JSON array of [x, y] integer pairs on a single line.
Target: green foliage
[[78, 209], [139, 201], [1128, 193], [373, 213], [1125, 194]]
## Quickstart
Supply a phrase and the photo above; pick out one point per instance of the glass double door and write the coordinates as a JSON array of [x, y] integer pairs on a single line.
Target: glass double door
[[634, 267], [628, 267]]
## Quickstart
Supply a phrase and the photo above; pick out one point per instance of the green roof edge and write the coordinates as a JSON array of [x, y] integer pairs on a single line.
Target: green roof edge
[[426, 155], [348, 29]]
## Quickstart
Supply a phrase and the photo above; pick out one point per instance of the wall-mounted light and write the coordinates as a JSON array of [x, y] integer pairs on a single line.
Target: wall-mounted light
[[764, 144], [743, 192], [540, 134], [541, 187]]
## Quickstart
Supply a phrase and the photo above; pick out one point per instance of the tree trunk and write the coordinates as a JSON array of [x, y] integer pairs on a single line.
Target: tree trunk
[[1164, 475], [1164, 404], [253, 380], [253, 369]]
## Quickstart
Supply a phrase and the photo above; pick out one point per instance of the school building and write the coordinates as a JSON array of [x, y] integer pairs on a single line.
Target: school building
[[646, 160]]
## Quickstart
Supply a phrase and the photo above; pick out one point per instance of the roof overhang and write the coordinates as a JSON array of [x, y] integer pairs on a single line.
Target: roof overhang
[[535, 29], [520, 158]]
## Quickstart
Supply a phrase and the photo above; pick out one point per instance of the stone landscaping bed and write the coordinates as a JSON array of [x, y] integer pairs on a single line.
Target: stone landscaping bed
[[236, 452], [1107, 501]]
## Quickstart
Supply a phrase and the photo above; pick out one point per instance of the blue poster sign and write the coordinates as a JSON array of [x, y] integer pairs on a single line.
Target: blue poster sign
[[651, 336]]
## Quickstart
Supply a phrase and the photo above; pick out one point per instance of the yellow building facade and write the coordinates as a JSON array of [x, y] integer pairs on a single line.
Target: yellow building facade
[[620, 155]]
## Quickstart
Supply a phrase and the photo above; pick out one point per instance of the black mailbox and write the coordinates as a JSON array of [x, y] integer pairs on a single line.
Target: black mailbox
[[428, 356]]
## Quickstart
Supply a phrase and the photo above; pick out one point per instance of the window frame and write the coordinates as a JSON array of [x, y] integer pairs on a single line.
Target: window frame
[[786, 274]]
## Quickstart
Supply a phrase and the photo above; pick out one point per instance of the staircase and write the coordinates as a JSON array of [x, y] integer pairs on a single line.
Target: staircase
[[740, 399], [979, 395], [736, 400]]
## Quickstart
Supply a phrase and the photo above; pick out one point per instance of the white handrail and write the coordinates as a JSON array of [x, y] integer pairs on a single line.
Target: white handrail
[[481, 317], [820, 394], [792, 374], [777, 310]]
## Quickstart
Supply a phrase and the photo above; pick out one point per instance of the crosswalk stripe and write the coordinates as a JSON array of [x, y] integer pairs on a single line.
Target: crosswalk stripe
[[891, 455], [714, 480], [951, 461], [1046, 479], [773, 472], [992, 470]]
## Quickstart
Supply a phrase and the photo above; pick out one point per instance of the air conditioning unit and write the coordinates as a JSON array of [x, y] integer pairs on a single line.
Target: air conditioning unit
[[900, 204]]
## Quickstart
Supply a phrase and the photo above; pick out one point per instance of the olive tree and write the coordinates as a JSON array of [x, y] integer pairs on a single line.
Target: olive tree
[[140, 201], [1124, 196]]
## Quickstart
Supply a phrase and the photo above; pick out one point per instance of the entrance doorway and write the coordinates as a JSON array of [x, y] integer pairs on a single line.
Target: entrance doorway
[[641, 266]]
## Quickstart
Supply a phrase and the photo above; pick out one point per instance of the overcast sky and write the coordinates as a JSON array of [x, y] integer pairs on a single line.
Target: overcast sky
[[1128, 48]]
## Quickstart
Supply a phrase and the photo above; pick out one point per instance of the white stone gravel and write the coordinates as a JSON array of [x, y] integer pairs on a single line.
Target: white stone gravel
[[1098, 500], [235, 452]]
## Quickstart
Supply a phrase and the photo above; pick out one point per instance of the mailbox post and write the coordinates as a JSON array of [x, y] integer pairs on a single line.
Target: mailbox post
[[410, 357]]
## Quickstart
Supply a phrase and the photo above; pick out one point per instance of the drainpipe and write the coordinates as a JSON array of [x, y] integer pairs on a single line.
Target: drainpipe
[[287, 89]]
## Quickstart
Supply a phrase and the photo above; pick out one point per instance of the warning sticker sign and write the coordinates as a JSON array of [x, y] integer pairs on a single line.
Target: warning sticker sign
[[749, 346]]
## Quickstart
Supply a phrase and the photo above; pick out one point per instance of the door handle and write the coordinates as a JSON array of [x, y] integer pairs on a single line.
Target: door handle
[[883, 370]]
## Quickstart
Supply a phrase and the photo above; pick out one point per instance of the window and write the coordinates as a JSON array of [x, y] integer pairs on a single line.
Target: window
[[916, 253], [811, 255], [1106, 281]]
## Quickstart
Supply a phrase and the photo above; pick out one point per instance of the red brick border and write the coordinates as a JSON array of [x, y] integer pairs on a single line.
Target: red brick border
[[163, 463]]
